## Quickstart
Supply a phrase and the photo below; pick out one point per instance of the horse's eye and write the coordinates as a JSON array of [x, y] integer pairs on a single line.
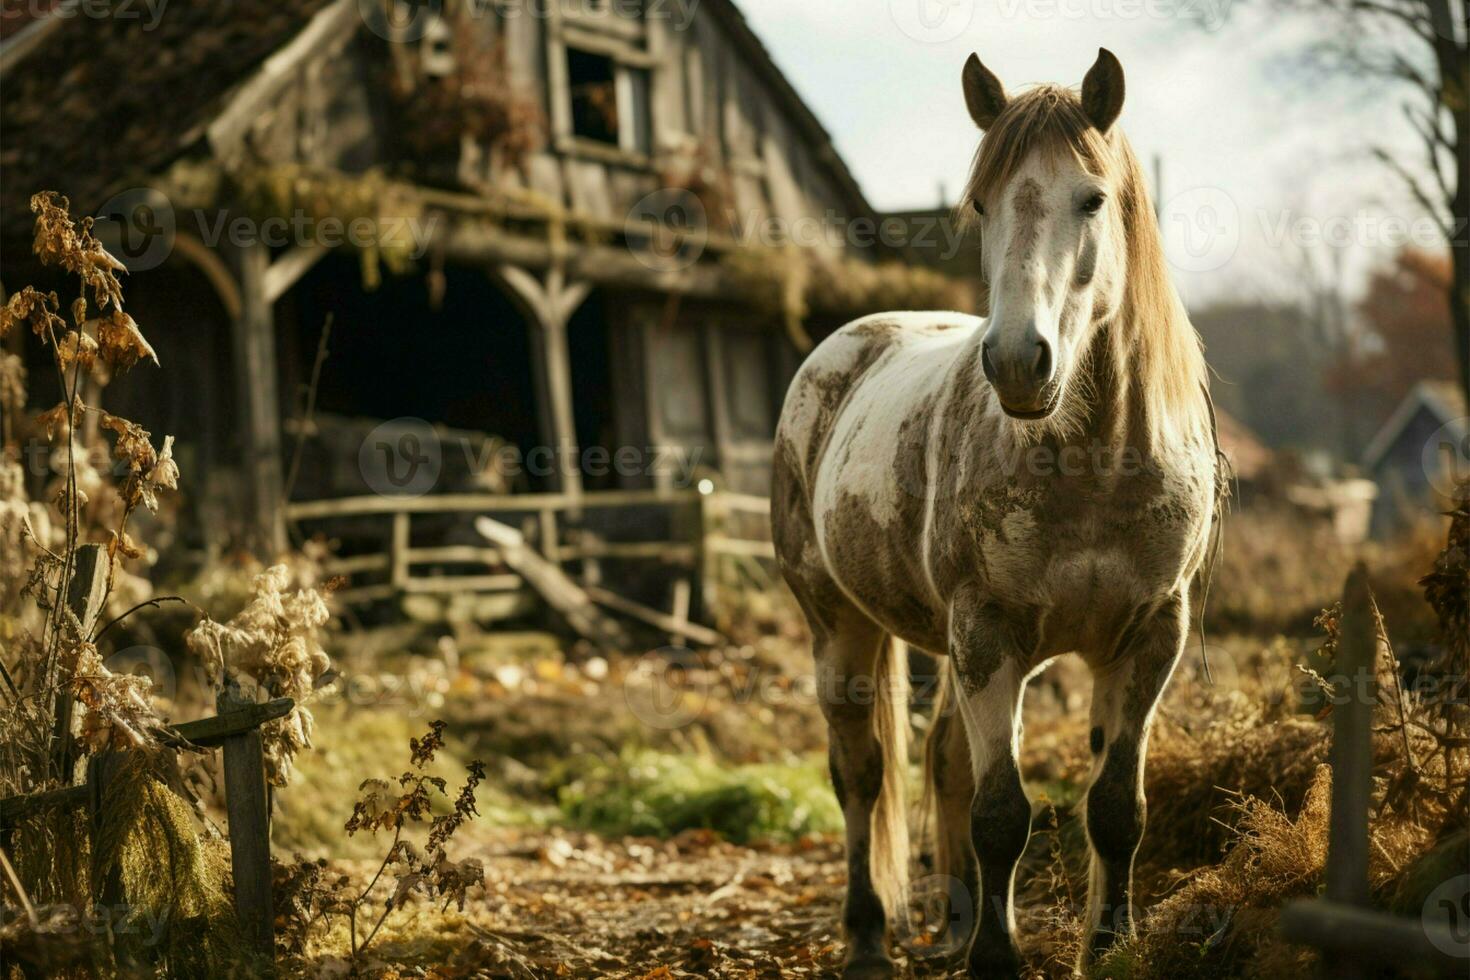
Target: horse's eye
[[979, 208], [1093, 204]]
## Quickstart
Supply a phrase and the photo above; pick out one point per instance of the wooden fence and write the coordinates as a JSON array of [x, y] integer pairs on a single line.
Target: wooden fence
[[1356, 942], [710, 530]]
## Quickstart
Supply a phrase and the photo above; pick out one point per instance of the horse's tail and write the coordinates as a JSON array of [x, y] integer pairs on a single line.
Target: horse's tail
[[888, 857]]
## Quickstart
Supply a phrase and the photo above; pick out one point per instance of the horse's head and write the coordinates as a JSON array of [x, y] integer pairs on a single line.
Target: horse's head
[[1052, 190]]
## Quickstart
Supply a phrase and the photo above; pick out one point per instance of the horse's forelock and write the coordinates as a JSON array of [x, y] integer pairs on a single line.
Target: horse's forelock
[[1046, 119]]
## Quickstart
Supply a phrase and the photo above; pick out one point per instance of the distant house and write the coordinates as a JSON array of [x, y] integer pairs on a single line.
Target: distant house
[[1419, 453]]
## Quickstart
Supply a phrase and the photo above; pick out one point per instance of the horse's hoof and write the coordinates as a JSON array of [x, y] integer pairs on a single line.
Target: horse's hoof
[[870, 966], [949, 948]]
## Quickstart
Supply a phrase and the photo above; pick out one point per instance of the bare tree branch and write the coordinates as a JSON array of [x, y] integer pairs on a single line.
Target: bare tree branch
[[1417, 20], [1426, 124], [1415, 188]]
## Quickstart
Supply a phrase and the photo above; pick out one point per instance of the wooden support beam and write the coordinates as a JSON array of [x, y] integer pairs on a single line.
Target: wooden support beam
[[683, 592], [550, 304], [475, 244], [1373, 938], [1352, 744], [287, 270], [398, 551], [328, 31], [107, 891], [515, 503], [256, 383], [15, 48], [1352, 766], [213, 268], [13, 808], [204, 733], [209, 732]]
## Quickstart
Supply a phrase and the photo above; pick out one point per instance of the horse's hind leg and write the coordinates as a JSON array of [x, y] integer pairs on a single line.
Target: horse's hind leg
[[1124, 692]]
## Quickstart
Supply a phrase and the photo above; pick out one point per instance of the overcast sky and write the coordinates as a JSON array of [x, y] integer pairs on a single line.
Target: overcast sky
[[1255, 155]]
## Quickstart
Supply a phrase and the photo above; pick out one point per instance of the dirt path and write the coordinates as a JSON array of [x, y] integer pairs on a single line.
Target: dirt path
[[565, 904]]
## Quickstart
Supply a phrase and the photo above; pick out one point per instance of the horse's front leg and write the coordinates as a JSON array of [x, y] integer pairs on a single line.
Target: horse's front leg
[[846, 660], [1124, 692], [990, 659]]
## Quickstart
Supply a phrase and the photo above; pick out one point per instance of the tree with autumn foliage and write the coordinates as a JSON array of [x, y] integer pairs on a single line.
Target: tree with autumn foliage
[[1405, 337], [1419, 49]]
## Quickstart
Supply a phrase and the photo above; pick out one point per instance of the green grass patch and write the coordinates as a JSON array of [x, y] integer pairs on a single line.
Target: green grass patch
[[646, 792]]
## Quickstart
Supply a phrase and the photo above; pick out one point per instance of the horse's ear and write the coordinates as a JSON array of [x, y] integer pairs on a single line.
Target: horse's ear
[[1102, 90], [985, 96]]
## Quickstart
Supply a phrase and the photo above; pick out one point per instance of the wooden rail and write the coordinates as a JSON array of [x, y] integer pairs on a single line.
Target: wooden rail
[[399, 568], [206, 733]]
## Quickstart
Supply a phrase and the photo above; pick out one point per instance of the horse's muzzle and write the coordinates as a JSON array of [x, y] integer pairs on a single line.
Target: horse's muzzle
[[1024, 384]]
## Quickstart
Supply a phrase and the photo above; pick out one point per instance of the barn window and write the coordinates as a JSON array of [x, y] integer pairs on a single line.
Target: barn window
[[593, 80], [610, 101]]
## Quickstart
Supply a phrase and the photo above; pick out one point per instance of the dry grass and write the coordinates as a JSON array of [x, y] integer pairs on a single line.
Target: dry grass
[[1275, 573]]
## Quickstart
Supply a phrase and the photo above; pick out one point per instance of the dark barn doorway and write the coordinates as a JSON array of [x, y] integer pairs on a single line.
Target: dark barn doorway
[[589, 346], [461, 360]]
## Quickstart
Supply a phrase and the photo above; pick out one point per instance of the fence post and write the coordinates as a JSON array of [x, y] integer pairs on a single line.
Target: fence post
[[248, 809], [86, 594], [1352, 761], [711, 531], [108, 893]]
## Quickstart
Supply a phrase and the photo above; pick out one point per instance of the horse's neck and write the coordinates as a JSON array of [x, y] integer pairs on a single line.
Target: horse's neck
[[1111, 412]]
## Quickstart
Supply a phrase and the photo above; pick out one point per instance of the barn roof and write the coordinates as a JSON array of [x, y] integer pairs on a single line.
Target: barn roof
[[1442, 399], [96, 105], [1249, 457]]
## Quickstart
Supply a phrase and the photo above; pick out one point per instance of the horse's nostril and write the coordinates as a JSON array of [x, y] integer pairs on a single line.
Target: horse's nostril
[[986, 365], [1042, 367]]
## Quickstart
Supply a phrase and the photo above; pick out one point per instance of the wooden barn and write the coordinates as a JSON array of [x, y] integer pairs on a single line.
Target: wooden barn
[[410, 264]]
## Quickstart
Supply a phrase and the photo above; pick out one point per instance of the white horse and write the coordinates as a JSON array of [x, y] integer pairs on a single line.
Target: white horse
[[1002, 491]]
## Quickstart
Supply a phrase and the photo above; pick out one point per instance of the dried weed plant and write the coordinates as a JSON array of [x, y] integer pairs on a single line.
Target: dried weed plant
[[142, 850], [312, 895], [51, 657], [272, 648]]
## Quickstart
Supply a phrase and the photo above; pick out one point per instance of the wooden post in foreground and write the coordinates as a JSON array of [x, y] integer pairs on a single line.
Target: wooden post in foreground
[[248, 809], [86, 594], [1352, 761], [1356, 940]]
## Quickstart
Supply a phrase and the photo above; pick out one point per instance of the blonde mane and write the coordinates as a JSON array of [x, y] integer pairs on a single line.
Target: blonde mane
[[1153, 334]]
